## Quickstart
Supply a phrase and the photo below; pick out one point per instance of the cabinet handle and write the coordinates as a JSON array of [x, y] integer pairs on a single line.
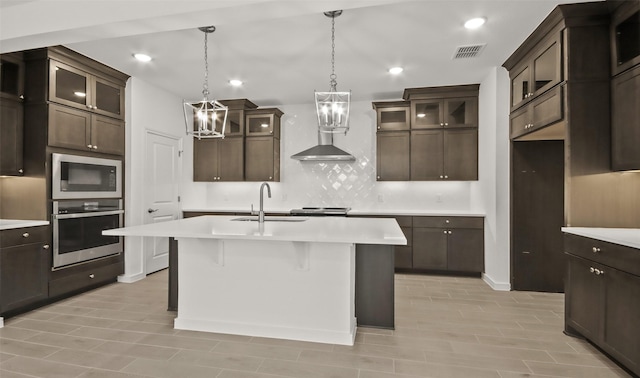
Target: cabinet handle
[[46, 246], [595, 249], [20, 170], [378, 127], [25, 235], [445, 176], [446, 221], [378, 177], [21, 97], [89, 145], [599, 272], [92, 276], [95, 147], [591, 270], [441, 176], [270, 178], [449, 232], [445, 231], [446, 123], [441, 124]]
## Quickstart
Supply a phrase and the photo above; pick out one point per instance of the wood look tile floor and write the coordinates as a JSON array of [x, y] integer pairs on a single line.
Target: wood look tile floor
[[445, 327]]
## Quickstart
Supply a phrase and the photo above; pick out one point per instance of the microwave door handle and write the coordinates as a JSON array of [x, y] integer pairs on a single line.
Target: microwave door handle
[[85, 215]]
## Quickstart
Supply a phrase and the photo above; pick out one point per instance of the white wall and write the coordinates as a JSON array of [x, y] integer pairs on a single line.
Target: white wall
[[147, 109], [332, 184], [490, 194]]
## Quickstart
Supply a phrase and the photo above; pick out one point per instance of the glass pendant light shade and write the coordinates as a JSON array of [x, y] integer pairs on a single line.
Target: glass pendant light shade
[[205, 118], [333, 111], [333, 106]]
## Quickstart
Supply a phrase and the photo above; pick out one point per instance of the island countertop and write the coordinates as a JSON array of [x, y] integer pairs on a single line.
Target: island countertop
[[311, 229], [629, 237]]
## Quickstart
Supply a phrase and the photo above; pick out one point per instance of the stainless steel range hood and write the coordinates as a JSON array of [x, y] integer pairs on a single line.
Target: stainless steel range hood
[[324, 151]]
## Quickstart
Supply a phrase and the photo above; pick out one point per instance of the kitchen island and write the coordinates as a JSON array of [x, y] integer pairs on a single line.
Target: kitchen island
[[289, 277]]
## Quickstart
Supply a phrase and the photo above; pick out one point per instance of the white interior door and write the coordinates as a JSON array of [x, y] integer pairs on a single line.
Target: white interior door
[[162, 177]]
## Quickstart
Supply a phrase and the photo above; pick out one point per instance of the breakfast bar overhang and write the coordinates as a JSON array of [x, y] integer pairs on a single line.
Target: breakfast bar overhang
[[289, 277]]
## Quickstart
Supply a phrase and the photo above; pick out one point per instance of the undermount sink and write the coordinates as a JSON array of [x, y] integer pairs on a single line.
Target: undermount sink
[[268, 218]]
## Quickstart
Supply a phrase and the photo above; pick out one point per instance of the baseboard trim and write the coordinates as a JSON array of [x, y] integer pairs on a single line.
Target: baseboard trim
[[131, 278], [498, 286]]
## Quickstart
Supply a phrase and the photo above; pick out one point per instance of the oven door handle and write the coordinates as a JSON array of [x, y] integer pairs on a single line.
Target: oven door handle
[[85, 215]]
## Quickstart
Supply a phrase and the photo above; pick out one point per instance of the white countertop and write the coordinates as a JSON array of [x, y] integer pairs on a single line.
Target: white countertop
[[623, 236], [8, 224], [312, 229], [355, 212]]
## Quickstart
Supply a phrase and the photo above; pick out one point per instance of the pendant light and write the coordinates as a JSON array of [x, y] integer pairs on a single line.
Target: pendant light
[[333, 106], [205, 118]]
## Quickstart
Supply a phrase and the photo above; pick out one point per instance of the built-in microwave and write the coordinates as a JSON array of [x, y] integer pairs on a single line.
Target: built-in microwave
[[76, 176]]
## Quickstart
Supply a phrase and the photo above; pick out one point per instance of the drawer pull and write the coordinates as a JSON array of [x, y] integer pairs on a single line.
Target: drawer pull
[[599, 272], [595, 249], [591, 270], [46, 246], [25, 235], [92, 276]]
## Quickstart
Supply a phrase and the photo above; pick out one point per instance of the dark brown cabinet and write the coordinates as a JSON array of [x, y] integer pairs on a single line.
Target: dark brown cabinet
[[601, 300], [439, 140], [217, 159], [392, 116], [263, 122], [11, 135], [453, 244], [24, 264], [403, 254], [539, 72], [80, 130], [392, 155], [11, 114], [625, 36], [625, 120], [543, 111], [262, 159], [72, 86]]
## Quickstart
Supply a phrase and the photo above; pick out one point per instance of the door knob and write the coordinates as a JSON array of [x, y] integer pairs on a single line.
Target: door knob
[[152, 210]]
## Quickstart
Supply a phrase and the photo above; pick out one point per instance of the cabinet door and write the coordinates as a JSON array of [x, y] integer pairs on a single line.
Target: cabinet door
[[520, 85], [11, 135], [235, 123], [107, 135], [465, 252], [11, 78], [520, 122], [205, 159], [461, 154], [393, 118], [547, 109], [392, 156], [23, 275], [621, 329], [430, 248], [584, 297], [69, 128], [108, 98], [546, 66], [260, 125], [403, 254], [625, 120], [427, 114], [427, 154], [259, 158], [230, 159], [461, 112], [69, 85]]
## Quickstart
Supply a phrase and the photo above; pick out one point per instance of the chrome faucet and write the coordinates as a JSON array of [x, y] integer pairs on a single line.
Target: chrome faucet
[[261, 212]]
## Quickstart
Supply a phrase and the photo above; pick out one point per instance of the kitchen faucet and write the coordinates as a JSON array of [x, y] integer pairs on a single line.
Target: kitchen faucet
[[261, 212]]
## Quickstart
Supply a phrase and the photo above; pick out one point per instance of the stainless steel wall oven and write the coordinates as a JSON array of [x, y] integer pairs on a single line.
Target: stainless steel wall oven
[[77, 230]]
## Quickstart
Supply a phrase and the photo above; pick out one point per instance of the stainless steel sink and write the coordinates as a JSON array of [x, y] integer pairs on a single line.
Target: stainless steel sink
[[270, 218]]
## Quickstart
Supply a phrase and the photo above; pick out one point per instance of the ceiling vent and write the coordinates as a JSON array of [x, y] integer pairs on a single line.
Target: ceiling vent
[[469, 51]]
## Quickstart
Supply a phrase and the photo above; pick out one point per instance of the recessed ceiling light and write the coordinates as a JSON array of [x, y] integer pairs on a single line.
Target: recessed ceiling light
[[475, 23], [142, 57], [235, 82], [395, 70]]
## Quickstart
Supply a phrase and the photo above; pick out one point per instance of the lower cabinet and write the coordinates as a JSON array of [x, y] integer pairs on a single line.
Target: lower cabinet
[[601, 301], [24, 263], [453, 244], [85, 276]]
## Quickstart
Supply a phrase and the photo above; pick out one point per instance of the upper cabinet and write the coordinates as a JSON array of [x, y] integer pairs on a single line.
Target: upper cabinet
[[537, 73], [74, 87], [263, 122], [432, 135], [11, 114], [625, 36]]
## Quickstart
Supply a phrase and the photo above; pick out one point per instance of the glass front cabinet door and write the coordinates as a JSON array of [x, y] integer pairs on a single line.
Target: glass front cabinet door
[[74, 87]]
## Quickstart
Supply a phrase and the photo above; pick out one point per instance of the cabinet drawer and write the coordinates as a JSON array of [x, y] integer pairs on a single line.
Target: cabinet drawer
[[85, 279], [617, 256], [26, 235], [448, 222]]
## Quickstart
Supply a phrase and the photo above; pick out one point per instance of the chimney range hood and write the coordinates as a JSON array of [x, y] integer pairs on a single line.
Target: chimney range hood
[[324, 151]]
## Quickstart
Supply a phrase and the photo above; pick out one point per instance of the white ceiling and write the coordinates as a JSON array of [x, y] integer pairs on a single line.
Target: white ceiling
[[280, 49]]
